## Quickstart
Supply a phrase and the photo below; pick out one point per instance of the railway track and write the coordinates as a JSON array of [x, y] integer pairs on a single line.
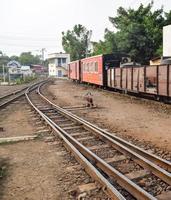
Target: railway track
[[11, 97], [7, 99], [124, 170]]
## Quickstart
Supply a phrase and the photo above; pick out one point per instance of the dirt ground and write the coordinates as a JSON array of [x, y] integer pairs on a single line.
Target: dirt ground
[[41, 169], [18, 123], [122, 114], [37, 171]]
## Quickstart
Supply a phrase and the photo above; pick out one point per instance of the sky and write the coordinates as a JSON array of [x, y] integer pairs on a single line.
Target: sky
[[30, 25]]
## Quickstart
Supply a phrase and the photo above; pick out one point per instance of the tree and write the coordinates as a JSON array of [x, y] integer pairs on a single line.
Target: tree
[[4, 59], [107, 46], [139, 33], [16, 58], [75, 42], [26, 58]]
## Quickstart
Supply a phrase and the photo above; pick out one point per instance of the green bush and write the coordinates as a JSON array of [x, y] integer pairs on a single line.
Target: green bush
[[27, 79]]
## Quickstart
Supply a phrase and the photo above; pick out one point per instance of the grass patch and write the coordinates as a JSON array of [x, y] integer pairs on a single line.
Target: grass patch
[[25, 80]]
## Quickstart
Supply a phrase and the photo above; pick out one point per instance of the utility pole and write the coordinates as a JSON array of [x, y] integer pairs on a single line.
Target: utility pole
[[3, 67], [43, 54]]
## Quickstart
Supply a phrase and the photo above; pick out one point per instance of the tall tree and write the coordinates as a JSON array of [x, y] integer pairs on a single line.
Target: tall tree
[[26, 58], [107, 46], [138, 32], [75, 42], [16, 58]]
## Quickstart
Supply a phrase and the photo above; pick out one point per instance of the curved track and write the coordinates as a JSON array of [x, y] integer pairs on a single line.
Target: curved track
[[125, 171], [9, 98]]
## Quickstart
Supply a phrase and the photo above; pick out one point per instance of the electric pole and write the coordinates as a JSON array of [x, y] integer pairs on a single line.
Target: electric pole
[[3, 67], [43, 54]]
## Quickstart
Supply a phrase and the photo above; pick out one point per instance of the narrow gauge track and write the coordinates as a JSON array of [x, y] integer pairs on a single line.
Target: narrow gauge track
[[9, 98], [126, 171]]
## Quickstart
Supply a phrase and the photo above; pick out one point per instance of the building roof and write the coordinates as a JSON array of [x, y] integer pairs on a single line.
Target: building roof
[[58, 55], [13, 63]]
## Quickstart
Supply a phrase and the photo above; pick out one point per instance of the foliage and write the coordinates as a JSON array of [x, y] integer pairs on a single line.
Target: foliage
[[16, 58], [107, 46], [46, 62], [26, 58], [139, 33], [27, 79], [3, 60], [75, 42]]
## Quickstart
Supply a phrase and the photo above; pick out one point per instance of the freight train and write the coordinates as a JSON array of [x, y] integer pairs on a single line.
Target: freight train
[[116, 72]]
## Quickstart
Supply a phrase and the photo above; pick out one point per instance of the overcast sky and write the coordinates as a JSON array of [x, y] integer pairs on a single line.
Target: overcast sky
[[29, 25]]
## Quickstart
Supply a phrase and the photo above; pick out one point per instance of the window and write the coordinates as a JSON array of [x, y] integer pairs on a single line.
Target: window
[[63, 60], [85, 67], [96, 67], [59, 61], [92, 67], [88, 67]]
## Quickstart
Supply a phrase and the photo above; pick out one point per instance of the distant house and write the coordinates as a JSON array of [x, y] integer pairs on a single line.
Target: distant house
[[58, 64], [17, 71], [39, 69], [26, 71], [13, 64]]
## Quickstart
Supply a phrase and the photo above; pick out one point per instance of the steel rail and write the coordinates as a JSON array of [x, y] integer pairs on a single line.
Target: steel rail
[[142, 161], [19, 92], [89, 168], [123, 181], [13, 93], [153, 158]]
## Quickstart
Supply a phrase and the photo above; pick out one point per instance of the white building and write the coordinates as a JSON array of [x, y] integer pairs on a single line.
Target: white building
[[167, 41], [58, 64], [26, 71]]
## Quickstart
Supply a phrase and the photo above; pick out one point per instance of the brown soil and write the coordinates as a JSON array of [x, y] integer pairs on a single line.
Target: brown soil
[[125, 115], [38, 171], [15, 120]]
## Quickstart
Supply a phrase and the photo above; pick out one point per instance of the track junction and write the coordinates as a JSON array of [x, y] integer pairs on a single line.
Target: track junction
[[124, 170]]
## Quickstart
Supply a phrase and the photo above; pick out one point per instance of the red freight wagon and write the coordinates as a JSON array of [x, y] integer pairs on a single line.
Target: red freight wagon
[[74, 70]]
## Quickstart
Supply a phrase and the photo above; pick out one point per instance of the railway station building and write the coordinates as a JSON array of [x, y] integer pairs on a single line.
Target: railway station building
[[58, 64]]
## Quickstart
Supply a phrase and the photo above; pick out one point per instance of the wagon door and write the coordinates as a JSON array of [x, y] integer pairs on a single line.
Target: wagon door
[[124, 78], [151, 80], [129, 78], [162, 80], [135, 79], [141, 79], [118, 78], [110, 77]]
